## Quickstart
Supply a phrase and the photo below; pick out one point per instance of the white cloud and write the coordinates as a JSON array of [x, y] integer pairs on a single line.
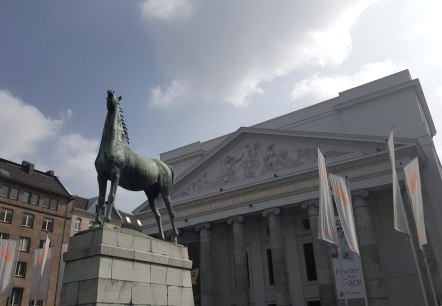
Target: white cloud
[[73, 158], [332, 46], [166, 9], [76, 155], [428, 27], [23, 127], [321, 87], [169, 96], [27, 134], [439, 91], [227, 50]]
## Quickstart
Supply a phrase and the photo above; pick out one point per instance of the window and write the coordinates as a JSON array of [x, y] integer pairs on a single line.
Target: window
[[4, 236], [20, 269], [25, 244], [6, 215], [270, 267], [16, 297], [91, 223], [42, 244], [13, 193], [4, 191], [77, 224], [47, 225], [27, 220], [50, 203], [36, 303], [9, 192], [30, 198], [309, 259]]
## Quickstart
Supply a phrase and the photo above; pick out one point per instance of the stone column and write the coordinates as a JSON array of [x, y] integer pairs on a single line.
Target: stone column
[[278, 259], [322, 257], [240, 261], [205, 264], [371, 264]]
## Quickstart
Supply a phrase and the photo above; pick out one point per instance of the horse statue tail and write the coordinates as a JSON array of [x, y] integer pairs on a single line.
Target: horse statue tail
[[173, 173]]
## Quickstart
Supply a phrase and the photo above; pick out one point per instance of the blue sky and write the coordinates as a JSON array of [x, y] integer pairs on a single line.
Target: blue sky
[[191, 70]]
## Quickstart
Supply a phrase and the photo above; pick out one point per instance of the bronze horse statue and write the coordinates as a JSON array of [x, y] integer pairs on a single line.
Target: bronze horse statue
[[117, 163]]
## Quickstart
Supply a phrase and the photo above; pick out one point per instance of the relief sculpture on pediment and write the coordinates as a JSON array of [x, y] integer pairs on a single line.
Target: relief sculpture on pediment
[[253, 159]]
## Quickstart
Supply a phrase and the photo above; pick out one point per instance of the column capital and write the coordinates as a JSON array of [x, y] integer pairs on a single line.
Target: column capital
[[238, 219], [313, 202], [204, 226], [273, 210]]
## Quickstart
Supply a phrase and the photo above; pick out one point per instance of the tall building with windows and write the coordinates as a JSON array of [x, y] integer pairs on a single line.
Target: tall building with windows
[[246, 203], [33, 204]]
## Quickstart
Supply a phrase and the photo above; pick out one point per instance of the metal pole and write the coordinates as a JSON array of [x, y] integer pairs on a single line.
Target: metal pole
[[411, 228], [412, 242]]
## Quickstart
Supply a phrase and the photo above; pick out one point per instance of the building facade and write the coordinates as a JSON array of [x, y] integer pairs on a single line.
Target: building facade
[[33, 204], [246, 203]]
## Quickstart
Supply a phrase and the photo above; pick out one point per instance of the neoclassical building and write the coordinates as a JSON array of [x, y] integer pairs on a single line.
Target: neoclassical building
[[246, 203]]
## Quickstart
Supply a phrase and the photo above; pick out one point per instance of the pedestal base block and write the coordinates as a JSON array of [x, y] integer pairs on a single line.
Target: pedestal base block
[[124, 267]]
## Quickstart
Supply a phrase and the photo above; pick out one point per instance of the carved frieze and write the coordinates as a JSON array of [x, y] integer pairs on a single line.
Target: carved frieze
[[254, 158]]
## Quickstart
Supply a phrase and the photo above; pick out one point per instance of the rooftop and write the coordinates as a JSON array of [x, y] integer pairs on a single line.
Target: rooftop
[[26, 174]]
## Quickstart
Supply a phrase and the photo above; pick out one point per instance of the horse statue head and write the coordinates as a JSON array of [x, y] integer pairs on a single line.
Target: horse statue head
[[117, 163], [113, 102]]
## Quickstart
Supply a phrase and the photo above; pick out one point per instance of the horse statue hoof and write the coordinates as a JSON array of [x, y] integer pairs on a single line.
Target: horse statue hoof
[[174, 238]]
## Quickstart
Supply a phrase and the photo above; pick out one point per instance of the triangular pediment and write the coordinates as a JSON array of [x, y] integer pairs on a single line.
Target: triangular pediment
[[252, 155]]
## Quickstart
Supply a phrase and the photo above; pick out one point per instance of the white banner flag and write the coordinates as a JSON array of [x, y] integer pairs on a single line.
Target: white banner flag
[[8, 257], [398, 205], [345, 209], [45, 253], [413, 180], [326, 220], [40, 280]]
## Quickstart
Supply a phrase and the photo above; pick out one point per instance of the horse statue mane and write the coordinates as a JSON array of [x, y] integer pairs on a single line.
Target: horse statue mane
[[117, 163]]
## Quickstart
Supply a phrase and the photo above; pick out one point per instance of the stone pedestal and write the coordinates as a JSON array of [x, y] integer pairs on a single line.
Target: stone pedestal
[[124, 267]]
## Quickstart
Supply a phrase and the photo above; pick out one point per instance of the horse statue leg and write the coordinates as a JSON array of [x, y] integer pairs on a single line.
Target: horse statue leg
[[115, 178], [102, 185], [156, 213], [166, 199]]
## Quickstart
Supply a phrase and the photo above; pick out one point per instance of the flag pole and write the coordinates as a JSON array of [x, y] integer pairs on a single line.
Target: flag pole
[[411, 227], [339, 252], [413, 242], [339, 256]]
